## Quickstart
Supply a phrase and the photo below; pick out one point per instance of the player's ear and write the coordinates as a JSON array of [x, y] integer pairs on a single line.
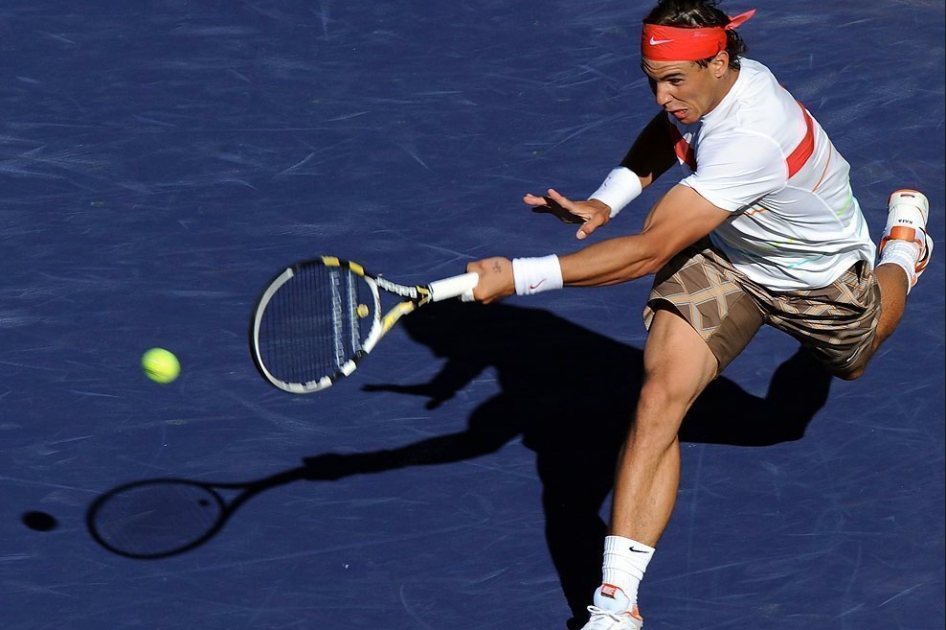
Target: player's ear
[[719, 64]]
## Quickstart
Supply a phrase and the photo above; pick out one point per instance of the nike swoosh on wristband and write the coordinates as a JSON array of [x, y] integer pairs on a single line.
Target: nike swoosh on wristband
[[637, 550], [533, 287], [657, 42]]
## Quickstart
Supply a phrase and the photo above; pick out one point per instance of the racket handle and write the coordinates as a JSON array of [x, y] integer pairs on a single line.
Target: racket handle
[[457, 286]]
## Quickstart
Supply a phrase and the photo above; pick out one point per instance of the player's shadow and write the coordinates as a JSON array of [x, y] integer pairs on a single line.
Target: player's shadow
[[569, 393]]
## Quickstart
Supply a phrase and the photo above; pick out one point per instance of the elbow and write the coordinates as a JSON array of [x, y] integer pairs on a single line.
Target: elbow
[[657, 249], [653, 260], [651, 265]]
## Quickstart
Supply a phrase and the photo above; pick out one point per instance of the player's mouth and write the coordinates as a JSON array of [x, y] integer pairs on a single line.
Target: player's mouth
[[679, 114]]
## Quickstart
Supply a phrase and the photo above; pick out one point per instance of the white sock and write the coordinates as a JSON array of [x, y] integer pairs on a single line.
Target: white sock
[[902, 253], [625, 562]]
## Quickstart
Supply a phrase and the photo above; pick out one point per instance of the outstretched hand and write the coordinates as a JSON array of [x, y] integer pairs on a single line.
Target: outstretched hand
[[591, 214]]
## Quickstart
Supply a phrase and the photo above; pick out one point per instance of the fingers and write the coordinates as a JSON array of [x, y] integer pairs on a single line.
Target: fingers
[[557, 205], [590, 214], [553, 198], [561, 200], [496, 279], [589, 226], [475, 267]]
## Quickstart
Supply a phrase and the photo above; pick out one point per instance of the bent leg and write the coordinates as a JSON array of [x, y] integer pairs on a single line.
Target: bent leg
[[678, 365], [901, 262], [894, 287]]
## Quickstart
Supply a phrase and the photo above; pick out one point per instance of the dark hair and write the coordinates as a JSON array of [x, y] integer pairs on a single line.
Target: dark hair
[[697, 13]]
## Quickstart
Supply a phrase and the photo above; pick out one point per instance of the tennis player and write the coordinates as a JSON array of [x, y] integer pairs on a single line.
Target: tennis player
[[763, 228]]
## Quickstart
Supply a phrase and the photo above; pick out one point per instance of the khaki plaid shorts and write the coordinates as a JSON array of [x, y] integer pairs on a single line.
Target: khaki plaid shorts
[[835, 323]]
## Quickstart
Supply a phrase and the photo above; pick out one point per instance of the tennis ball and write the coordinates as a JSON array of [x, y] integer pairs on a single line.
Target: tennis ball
[[363, 311], [160, 365]]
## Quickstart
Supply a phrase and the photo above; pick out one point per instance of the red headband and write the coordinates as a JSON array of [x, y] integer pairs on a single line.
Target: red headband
[[671, 43]]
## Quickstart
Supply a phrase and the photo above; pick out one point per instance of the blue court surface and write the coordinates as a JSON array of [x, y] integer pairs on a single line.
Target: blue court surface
[[160, 160]]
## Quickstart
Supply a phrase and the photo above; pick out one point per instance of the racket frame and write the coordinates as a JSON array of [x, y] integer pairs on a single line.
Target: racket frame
[[415, 297]]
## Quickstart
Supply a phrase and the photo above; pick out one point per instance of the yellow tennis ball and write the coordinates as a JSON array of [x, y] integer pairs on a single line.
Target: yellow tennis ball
[[363, 311], [160, 365]]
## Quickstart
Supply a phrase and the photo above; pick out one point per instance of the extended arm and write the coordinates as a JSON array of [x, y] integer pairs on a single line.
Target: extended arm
[[678, 219]]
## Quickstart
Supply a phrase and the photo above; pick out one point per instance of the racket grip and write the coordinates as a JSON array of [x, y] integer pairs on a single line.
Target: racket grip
[[457, 286]]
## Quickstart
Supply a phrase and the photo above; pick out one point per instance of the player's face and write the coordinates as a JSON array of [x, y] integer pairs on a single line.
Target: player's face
[[687, 90]]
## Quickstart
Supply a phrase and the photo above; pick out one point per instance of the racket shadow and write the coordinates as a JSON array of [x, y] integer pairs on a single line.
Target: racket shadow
[[153, 519]]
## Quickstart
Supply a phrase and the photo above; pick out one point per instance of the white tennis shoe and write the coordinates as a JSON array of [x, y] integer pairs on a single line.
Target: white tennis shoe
[[605, 620], [907, 213], [628, 617]]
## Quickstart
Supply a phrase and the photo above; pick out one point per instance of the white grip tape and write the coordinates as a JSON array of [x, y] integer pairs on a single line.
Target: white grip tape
[[457, 286], [619, 188]]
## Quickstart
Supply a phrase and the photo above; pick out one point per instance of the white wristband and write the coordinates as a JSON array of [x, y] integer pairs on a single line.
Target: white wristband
[[619, 188], [534, 275]]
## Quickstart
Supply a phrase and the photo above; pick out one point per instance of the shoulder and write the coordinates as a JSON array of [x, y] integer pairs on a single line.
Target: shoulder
[[758, 107], [742, 149], [757, 74]]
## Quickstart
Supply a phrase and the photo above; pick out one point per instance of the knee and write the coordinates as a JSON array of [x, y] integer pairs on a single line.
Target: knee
[[669, 392], [850, 372], [851, 375], [661, 408]]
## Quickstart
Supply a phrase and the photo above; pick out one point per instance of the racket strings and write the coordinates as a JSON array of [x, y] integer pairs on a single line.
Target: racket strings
[[315, 324]]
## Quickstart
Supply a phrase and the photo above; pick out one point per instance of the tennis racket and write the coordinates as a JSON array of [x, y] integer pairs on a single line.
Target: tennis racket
[[318, 318]]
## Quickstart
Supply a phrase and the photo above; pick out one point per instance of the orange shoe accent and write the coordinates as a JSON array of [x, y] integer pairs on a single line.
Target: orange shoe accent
[[636, 613], [907, 192], [609, 590], [901, 233]]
